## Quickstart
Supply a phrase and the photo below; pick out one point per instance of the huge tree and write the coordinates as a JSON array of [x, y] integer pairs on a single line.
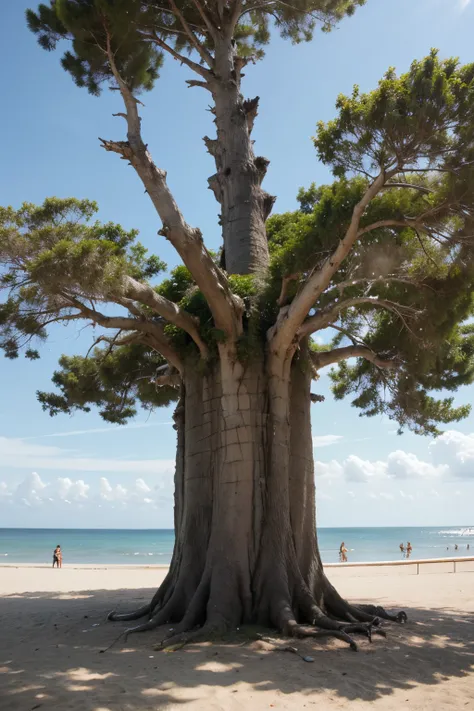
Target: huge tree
[[381, 260]]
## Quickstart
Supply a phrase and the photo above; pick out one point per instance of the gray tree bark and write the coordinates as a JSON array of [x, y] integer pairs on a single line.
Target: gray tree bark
[[246, 546], [245, 206]]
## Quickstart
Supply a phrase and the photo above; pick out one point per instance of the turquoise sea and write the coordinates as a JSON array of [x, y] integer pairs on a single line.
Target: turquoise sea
[[154, 547]]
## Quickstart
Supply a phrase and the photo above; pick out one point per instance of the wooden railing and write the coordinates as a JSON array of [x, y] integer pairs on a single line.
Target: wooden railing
[[413, 562]]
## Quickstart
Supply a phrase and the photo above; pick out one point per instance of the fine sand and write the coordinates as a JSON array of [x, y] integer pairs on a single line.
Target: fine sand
[[51, 641]]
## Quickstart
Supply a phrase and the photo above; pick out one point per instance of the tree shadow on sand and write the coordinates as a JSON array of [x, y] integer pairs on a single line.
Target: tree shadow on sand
[[50, 658]]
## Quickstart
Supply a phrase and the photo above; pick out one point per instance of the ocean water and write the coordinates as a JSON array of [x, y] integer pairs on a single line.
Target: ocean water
[[154, 547]]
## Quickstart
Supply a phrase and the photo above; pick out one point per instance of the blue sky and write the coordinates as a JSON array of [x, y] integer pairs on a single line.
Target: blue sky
[[80, 472]]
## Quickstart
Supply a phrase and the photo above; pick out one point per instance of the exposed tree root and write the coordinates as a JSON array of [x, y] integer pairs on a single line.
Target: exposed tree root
[[339, 619], [400, 617], [128, 616], [208, 614], [202, 634]]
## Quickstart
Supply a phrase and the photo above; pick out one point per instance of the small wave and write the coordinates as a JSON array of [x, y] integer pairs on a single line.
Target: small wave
[[457, 532], [5, 554]]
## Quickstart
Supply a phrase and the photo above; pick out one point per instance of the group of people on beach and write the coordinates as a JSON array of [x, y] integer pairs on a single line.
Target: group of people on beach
[[406, 552]]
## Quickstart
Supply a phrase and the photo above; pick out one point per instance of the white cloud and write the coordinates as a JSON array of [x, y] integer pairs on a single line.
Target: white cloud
[[72, 490], [452, 457], [329, 470], [33, 491], [356, 469], [325, 440], [463, 4], [20, 454], [404, 465], [142, 487], [455, 451]]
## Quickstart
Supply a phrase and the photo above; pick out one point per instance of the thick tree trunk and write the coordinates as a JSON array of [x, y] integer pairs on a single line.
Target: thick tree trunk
[[245, 206], [246, 547]]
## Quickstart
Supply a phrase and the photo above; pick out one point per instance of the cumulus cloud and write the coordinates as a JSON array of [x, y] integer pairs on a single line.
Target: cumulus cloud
[[356, 469], [21, 454], [404, 465], [452, 457], [455, 451], [33, 491]]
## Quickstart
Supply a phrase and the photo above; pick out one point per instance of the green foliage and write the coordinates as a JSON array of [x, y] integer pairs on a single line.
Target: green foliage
[[93, 26], [433, 346], [134, 31], [112, 380], [405, 290], [53, 251], [424, 116], [419, 130]]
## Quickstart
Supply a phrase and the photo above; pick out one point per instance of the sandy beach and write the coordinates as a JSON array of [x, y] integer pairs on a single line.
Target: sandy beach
[[53, 630]]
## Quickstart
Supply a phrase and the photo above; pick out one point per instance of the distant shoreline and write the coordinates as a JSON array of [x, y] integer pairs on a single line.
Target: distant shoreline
[[137, 566], [142, 548]]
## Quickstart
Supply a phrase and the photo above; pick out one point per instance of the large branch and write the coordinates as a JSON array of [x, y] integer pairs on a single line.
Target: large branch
[[331, 313], [324, 358], [194, 66], [291, 319], [167, 309], [153, 332], [225, 307]]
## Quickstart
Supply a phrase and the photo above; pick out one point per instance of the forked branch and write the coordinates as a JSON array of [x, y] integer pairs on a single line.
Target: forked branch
[[152, 333], [226, 308], [331, 313], [167, 309], [282, 336]]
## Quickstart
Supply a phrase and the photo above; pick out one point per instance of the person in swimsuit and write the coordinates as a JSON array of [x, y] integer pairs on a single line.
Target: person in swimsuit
[[342, 553], [57, 557], [409, 549], [402, 549]]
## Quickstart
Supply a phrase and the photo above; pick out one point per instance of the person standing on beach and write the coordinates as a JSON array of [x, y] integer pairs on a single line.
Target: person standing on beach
[[57, 557], [342, 553]]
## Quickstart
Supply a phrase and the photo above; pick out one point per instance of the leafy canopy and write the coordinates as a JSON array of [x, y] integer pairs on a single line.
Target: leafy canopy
[[140, 32], [404, 292]]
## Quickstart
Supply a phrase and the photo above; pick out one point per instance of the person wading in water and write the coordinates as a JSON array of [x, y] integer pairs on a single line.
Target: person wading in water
[[342, 553]]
